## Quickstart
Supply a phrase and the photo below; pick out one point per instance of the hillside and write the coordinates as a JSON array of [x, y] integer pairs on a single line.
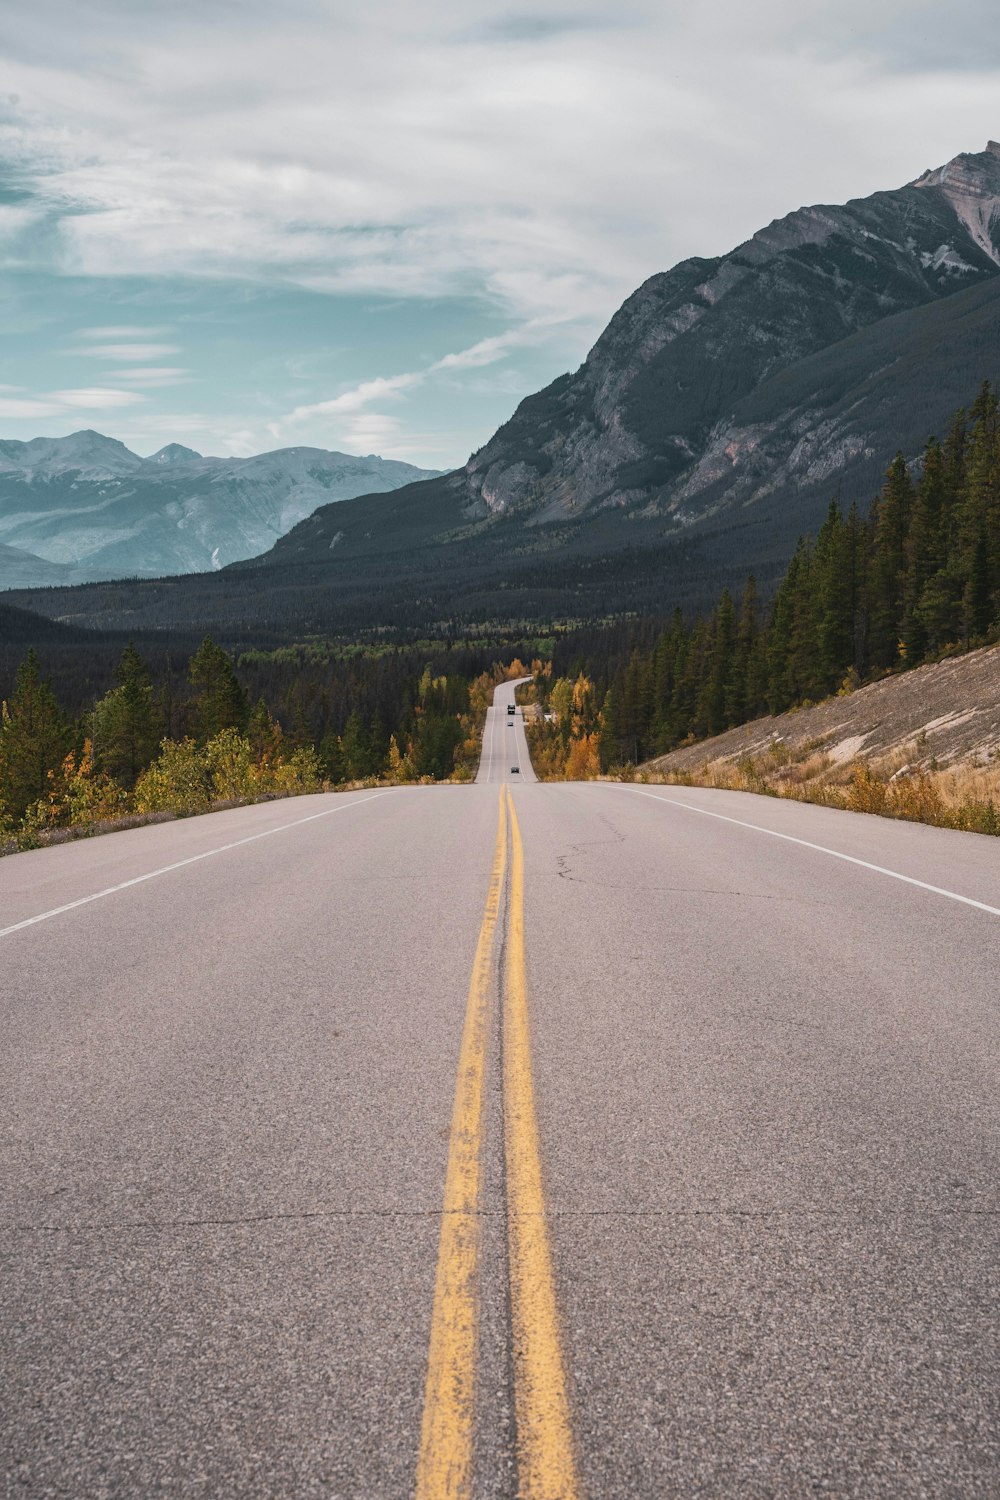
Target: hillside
[[936, 716]]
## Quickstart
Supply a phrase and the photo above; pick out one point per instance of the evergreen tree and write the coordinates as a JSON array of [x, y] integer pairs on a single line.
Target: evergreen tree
[[925, 552], [891, 522], [263, 732], [355, 749], [220, 702], [127, 725], [977, 599], [331, 757], [746, 696], [710, 715], [835, 595], [34, 739]]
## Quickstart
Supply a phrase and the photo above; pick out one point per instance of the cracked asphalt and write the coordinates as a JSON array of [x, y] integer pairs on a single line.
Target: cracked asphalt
[[770, 1136]]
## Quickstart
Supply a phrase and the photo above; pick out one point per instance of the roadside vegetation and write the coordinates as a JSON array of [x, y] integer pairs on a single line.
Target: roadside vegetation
[[966, 797], [118, 764]]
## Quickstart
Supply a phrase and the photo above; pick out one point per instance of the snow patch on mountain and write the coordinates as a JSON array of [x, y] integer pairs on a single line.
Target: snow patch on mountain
[[87, 502]]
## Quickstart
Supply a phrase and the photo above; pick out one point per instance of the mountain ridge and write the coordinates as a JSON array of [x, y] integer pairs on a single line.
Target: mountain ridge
[[650, 422], [87, 504]]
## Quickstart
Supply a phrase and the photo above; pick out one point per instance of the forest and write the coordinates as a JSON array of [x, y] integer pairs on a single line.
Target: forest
[[196, 737]]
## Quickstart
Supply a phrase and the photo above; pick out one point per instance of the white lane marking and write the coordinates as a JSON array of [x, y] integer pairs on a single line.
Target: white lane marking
[[180, 863], [850, 859]]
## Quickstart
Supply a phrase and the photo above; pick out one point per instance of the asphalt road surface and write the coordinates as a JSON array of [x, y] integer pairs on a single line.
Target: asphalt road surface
[[553, 1140], [504, 742]]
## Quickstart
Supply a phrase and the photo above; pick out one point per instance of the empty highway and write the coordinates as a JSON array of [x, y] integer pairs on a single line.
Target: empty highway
[[553, 1140]]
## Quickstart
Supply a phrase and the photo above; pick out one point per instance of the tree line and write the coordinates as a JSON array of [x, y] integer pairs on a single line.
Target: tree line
[[143, 749]]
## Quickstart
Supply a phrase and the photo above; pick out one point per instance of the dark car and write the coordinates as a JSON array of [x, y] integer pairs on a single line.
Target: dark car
[[511, 708], [515, 770]]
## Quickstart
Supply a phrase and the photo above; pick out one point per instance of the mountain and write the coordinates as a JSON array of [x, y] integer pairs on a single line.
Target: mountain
[[709, 389], [89, 507], [726, 403]]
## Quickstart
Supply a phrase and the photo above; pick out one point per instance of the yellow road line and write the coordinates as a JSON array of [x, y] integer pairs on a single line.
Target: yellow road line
[[444, 1468], [545, 1461]]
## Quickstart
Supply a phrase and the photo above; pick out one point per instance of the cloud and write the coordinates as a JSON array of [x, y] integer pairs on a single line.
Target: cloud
[[128, 351], [18, 407], [361, 395], [122, 331], [97, 398], [155, 375], [65, 403], [485, 352], [16, 217], [543, 161]]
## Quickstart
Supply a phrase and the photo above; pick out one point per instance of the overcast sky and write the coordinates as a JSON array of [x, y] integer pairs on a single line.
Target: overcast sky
[[377, 226]]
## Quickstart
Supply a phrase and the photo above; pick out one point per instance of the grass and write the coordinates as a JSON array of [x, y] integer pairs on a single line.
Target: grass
[[964, 796]]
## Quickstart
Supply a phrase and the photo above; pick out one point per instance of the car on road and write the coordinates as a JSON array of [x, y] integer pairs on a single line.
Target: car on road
[[515, 770], [511, 708]]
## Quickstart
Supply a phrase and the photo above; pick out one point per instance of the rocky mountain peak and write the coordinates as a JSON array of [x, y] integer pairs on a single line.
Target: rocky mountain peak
[[971, 184], [173, 453]]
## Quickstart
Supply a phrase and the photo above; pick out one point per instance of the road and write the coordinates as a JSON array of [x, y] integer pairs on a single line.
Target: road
[[504, 743], [554, 1140]]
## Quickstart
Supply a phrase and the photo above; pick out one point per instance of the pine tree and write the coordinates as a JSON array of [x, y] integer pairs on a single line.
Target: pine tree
[[891, 523], [833, 576], [928, 593], [783, 653], [126, 725], [710, 715], [220, 702], [746, 695], [977, 599], [34, 739], [355, 749], [263, 732]]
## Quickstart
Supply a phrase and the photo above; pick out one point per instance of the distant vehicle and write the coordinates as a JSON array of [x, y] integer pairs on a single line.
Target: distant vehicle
[[515, 770], [511, 708]]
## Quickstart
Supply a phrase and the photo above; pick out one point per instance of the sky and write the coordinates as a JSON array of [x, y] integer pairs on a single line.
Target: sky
[[244, 226]]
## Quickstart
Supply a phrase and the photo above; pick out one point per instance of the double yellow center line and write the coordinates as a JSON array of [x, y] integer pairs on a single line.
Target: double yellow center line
[[545, 1462]]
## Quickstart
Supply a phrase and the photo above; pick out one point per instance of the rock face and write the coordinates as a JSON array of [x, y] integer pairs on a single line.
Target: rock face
[[653, 417], [84, 507]]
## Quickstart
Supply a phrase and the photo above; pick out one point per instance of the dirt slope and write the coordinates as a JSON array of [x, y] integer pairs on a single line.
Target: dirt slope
[[942, 715]]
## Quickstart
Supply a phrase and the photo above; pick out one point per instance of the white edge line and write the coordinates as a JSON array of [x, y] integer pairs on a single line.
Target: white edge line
[[822, 849], [180, 863]]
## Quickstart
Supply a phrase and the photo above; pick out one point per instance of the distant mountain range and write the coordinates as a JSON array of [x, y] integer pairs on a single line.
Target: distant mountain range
[[725, 404], [85, 507]]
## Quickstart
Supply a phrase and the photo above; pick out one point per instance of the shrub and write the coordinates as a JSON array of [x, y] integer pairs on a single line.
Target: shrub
[[178, 780]]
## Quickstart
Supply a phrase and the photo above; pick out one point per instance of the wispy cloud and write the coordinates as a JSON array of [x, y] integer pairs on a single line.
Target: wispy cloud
[[485, 352], [154, 375], [122, 331], [97, 398], [94, 399], [128, 351]]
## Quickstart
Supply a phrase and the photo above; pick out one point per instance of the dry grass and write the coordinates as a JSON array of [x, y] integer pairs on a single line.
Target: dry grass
[[964, 796]]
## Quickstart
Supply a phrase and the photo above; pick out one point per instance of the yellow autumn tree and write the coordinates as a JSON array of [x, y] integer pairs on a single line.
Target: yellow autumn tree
[[583, 762]]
